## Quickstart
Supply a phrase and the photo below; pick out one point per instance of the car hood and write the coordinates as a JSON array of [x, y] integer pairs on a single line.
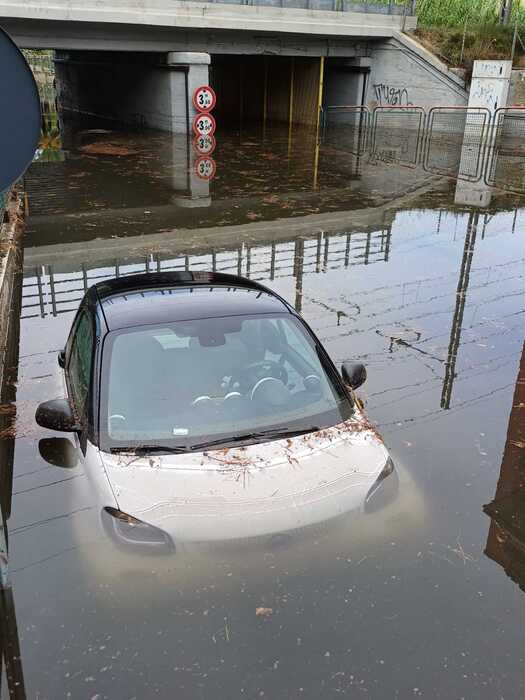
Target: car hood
[[253, 490]]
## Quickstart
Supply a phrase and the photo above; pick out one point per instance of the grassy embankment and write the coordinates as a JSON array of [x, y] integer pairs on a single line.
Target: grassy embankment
[[441, 25]]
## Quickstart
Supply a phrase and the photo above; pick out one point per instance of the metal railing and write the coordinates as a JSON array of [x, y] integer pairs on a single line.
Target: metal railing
[[384, 7], [397, 134], [455, 141], [506, 167]]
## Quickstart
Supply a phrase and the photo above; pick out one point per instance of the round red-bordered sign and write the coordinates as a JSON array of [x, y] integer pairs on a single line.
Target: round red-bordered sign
[[204, 98], [204, 124], [205, 167], [204, 144]]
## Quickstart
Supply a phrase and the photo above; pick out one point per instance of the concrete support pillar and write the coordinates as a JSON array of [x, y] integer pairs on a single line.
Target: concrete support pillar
[[190, 70]]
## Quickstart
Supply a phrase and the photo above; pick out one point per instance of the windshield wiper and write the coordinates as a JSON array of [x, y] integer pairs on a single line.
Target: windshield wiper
[[256, 436], [273, 434], [142, 450]]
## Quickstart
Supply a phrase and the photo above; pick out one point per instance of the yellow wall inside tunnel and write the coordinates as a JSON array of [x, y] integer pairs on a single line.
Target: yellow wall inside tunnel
[[257, 89], [306, 91]]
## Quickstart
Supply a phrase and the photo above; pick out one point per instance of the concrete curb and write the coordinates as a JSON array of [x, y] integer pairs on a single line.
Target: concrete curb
[[10, 262], [11, 227]]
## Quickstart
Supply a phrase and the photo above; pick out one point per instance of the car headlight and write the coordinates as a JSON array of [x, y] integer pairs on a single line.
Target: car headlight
[[130, 531], [381, 493]]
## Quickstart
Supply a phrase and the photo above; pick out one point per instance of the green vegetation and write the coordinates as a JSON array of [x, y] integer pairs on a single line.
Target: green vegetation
[[453, 13], [43, 67], [462, 31], [481, 42]]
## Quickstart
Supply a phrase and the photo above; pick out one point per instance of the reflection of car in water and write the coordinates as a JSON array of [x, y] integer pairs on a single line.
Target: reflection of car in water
[[205, 409]]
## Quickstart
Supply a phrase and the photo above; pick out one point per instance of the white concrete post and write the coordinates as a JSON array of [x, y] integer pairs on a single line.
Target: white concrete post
[[490, 84], [489, 89]]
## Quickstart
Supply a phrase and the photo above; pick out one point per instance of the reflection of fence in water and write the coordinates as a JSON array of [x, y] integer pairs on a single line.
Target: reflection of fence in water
[[455, 140], [506, 168], [47, 291]]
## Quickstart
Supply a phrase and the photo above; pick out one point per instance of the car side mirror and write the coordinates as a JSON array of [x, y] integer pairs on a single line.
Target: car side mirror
[[62, 359], [353, 373], [57, 415], [60, 452]]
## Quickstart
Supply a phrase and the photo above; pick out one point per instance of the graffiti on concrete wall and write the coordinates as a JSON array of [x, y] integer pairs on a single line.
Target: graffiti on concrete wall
[[390, 95]]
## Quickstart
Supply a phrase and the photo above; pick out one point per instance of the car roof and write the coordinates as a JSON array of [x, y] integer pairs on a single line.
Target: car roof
[[164, 297]]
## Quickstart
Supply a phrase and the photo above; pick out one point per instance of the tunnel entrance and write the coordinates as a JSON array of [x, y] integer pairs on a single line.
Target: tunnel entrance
[[267, 89], [155, 91]]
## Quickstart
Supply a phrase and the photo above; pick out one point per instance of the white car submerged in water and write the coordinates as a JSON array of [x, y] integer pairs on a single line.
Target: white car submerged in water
[[205, 409]]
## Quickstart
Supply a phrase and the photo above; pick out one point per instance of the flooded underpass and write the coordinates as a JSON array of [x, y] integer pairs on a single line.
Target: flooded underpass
[[416, 594]]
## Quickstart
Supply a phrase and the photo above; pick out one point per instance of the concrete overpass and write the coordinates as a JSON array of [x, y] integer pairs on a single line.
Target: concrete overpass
[[139, 61], [182, 25]]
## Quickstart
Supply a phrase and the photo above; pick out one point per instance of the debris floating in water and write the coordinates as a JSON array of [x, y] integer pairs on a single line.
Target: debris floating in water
[[108, 149]]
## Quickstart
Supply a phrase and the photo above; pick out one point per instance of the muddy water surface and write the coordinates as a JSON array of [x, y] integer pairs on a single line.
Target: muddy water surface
[[423, 597]]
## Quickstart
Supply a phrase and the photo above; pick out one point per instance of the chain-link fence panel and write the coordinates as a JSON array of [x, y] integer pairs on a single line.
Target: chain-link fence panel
[[455, 142], [397, 135], [505, 166]]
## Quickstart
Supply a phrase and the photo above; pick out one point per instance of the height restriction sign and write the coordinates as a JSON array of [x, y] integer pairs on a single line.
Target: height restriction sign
[[204, 98], [204, 124], [204, 145], [205, 168]]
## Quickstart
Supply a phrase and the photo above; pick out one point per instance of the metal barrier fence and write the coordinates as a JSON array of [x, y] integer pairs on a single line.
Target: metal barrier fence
[[455, 141], [48, 291], [397, 133], [506, 166]]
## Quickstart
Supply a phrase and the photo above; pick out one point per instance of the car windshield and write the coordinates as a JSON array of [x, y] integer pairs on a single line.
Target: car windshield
[[192, 382]]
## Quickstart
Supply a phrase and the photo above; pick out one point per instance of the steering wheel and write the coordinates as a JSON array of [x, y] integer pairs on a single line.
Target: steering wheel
[[248, 376], [117, 422], [118, 416]]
